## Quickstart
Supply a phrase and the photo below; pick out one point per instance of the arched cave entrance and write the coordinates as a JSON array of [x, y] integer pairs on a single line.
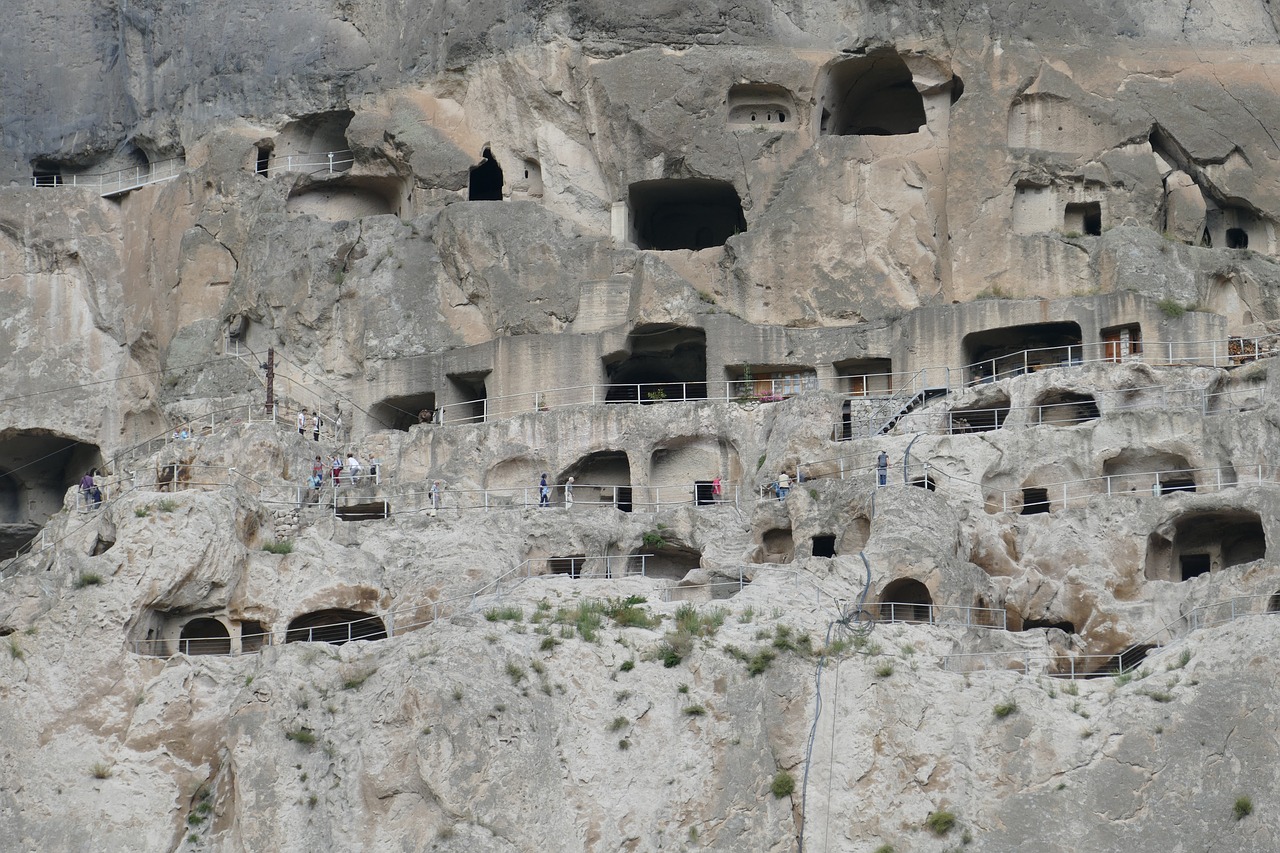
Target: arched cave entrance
[[669, 562], [36, 469], [982, 415], [662, 362], [906, 600], [871, 96], [1204, 542], [204, 636], [602, 477], [1011, 351], [335, 626], [689, 213], [486, 179], [1065, 408]]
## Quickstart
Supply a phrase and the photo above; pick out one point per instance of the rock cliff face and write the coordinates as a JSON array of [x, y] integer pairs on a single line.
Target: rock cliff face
[[674, 260]]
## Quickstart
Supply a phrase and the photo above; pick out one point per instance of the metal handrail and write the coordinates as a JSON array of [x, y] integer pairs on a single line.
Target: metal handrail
[[1222, 352], [331, 162], [119, 180], [1077, 666]]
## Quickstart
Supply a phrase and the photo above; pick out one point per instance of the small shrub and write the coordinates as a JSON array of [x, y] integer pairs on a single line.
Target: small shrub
[[195, 819], [683, 690], [694, 710], [15, 650], [626, 613], [515, 671], [940, 822], [284, 546], [627, 665], [548, 643], [101, 770], [193, 839], [1183, 660], [783, 784], [1071, 689], [653, 539], [1123, 678], [88, 579], [1243, 807], [624, 744], [759, 662], [618, 724], [1004, 709], [1159, 695], [747, 614], [884, 848], [884, 670], [301, 735], [166, 505], [1171, 308], [510, 613], [141, 511]]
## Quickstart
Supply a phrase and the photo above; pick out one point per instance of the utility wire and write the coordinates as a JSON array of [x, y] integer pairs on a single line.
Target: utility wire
[[848, 621]]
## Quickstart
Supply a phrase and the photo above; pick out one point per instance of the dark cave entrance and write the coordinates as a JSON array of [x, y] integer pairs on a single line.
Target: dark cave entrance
[[689, 213]]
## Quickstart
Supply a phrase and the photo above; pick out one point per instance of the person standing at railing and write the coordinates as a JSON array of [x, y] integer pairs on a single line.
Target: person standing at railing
[[716, 489], [434, 495], [316, 423], [336, 462], [302, 422], [544, 492], [784, 484], [89, 490], [568, 493], [353, 468]]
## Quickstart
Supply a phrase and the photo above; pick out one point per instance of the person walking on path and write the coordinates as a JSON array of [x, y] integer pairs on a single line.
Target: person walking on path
[[544, 492], [353, 468], [716, 489], [784, 484], [568, 493], [336, 461], [434, 494], [302, 422], [316, 423], [882, 469]]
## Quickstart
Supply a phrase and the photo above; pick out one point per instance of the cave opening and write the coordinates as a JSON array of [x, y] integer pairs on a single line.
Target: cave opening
[[687, 213], [871, 96], [486, 179]]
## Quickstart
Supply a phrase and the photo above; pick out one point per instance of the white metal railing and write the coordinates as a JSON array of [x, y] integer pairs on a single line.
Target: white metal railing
[[942, 614], [1131, 658], [1056, 495], [902, 386], [960, 419], [419, 497], [118, 181], [328, 162]]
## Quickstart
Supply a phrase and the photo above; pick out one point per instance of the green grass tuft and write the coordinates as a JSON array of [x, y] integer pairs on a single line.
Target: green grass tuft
[[510, 613], [783, 784], [940, 822], [88, 579], [1004, 709], [301, 735], [1243, 807], [284, 546]]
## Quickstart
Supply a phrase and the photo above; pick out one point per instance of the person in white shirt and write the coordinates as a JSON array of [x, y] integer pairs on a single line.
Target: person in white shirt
[[353, 466], [302, 422], [784, 485]]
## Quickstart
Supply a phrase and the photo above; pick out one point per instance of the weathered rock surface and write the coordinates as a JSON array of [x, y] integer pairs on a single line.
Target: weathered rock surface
[[1030, 253]]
